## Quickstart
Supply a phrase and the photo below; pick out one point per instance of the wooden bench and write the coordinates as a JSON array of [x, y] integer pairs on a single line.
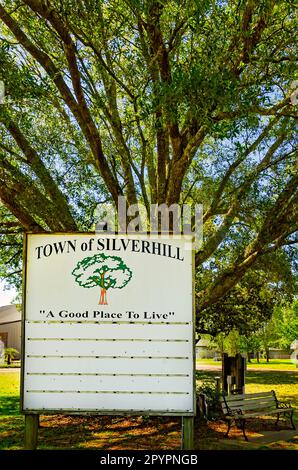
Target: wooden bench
[[237, 408]]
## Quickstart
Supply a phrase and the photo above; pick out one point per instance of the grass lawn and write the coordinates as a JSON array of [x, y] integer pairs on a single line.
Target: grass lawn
[[144, 433], [278, 364], [210, 362], [11, 422], [281, 364]]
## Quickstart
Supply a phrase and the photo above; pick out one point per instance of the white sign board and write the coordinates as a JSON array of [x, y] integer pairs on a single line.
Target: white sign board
[[108, 324]]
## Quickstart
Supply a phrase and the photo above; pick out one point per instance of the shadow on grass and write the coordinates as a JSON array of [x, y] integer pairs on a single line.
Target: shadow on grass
[[109, 433], [207, 376], [271, 377], [11, 423], [89, 432], [9, 405], [256, 377]]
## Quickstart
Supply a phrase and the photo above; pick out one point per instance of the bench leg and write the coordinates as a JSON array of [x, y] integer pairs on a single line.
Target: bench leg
[[276, 422], [229, 427], [291, 419], [242, 426]]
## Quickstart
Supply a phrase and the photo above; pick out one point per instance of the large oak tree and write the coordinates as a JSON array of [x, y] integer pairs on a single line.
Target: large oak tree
[[158, 101]]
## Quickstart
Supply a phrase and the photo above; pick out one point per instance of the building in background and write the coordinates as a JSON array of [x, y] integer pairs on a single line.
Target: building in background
[[205, 350], [10, 327]]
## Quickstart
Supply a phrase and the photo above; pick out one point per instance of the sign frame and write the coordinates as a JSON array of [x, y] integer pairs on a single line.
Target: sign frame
[[116, 412]]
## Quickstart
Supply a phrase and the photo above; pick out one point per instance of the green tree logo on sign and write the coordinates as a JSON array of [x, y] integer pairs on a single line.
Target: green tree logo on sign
[[107, 272]]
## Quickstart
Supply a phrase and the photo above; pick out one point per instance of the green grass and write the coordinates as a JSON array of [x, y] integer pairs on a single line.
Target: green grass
[[285, 385], [281, 364], [278, 364], [208, 361], [11, 422], [9, 393]]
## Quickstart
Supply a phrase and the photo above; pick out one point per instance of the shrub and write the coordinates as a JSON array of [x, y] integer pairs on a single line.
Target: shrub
[[208, 400], [10, 354]]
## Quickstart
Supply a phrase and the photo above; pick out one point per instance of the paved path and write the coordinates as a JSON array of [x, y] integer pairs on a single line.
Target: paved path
[[266, 437], [217, 368]]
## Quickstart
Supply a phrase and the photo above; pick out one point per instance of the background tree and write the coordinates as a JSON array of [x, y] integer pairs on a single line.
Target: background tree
[[248, 305], [278, 329], [267, 338], [159, 101], [285, 320], [107, 272], [251, 345], [232, 343]]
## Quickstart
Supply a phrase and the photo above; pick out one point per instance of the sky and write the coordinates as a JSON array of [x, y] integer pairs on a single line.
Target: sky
[[6, 296]]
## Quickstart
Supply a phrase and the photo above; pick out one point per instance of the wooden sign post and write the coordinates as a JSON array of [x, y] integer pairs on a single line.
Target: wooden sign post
[[187, 433]]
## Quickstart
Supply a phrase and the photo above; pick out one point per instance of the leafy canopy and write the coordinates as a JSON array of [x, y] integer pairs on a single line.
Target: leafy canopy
[[161, 102]]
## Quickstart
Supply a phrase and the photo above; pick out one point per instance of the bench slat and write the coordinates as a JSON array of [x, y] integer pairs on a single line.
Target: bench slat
[[270, 412], [249, 400], [259, 413], [257, 406], [248, 396], [259, 402]]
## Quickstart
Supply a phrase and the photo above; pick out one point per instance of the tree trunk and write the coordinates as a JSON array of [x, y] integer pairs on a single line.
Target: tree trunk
[[103, 292], [103, 297], [267, 354], [258, 357]]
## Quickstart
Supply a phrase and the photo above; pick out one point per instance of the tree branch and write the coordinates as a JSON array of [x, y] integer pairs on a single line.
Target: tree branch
[[36, 164], [84, 120], [216, 239], [278, 224]]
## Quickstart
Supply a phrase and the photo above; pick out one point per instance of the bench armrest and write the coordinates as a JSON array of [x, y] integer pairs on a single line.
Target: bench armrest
[[282, 405], [235, 412]]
